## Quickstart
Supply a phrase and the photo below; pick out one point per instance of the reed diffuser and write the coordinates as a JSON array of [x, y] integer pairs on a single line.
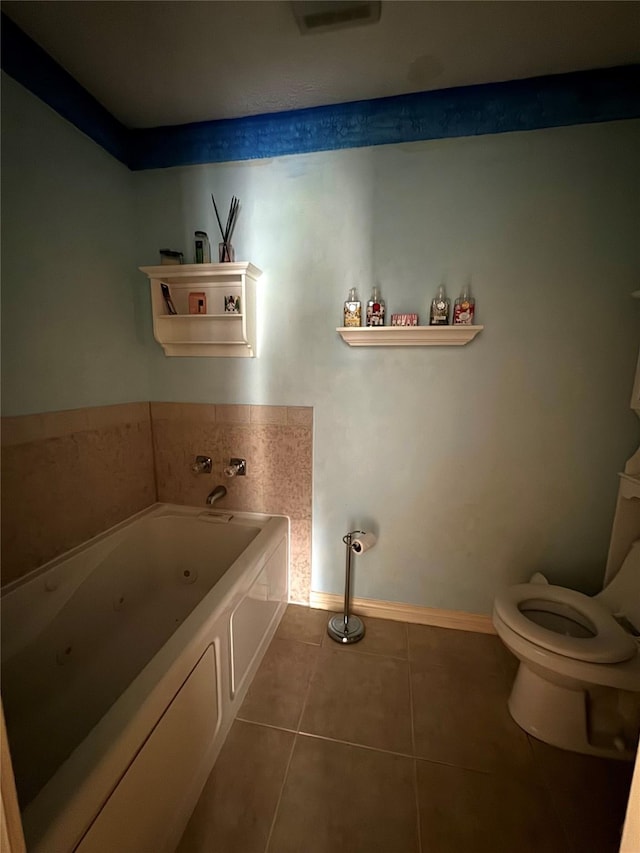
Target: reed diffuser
[[226, 251]]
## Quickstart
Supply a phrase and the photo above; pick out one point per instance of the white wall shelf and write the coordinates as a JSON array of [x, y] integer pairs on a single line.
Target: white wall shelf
[[216, 333], [408, 336]]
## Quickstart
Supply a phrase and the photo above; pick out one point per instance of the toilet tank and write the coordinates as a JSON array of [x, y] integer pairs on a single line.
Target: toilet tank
[[622, 594]]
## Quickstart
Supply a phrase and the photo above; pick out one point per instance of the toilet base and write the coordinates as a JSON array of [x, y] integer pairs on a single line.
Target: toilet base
[[558, 715]]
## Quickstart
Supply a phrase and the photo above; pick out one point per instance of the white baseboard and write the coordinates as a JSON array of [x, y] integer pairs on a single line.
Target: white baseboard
[[398, 612]]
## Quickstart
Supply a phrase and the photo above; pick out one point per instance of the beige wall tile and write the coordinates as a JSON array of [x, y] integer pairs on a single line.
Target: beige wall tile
[[56, 424], [269, 415], [300, 562], [183, 412], [25, 428], [166, 411], [58, 492], [21, 429], [233, 414], [300, 416], [101, 417]]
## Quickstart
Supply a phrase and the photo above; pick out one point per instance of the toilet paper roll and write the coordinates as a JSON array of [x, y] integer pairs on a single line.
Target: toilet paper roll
[[363, 542]]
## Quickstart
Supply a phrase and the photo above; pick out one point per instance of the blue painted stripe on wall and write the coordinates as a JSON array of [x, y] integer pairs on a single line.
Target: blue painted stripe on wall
[[556, 100], [25, 61], [563, 99]]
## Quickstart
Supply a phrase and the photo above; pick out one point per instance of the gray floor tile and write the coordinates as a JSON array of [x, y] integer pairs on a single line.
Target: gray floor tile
[[462, 718], [303, 624], [277, 693], [589, 795], [382, 637], [236, 809], [466, 651], [344, 798], [463, 811], [361, 699]]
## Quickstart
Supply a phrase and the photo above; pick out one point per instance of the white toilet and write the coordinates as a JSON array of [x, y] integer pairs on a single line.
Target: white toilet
[[578, 683]]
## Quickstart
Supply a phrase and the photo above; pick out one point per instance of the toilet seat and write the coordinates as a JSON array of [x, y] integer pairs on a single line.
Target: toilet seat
[[611, 643]]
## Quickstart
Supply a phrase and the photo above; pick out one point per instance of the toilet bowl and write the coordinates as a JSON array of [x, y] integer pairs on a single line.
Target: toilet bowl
[[578, 682]]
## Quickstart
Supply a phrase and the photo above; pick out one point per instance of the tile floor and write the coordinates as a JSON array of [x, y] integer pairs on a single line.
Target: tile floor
[[401, 743]]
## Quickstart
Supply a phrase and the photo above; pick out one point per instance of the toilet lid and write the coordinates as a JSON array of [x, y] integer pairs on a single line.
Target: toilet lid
[[611, 643]]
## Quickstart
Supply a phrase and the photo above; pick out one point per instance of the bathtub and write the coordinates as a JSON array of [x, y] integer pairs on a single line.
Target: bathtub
[[124, 663]]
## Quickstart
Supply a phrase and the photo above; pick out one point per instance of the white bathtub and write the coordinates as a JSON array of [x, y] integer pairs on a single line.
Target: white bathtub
[[124, 663]]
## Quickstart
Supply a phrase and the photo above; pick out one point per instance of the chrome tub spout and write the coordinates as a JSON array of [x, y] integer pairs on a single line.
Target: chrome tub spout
[[218, 492]]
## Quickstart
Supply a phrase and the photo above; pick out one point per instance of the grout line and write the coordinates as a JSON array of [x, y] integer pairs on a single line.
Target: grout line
[[294, 640], [357, 745], [541, 779], [417, 800], [154, 460], [308, 690], [411, 715], [284, 782], [332, 644], [413, 746], [266, 725], [364, 746]]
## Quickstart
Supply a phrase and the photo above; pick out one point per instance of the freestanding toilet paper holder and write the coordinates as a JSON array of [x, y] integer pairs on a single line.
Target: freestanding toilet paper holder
[[342, 627]]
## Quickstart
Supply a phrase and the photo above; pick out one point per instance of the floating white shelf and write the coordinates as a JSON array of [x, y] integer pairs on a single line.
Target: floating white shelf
[[217, 333], [408, 336]]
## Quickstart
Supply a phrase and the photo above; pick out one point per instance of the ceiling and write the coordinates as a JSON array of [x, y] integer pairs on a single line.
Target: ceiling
[[163, 63]]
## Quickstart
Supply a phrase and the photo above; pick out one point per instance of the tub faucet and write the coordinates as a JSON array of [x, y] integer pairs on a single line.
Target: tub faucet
[[218, 492]]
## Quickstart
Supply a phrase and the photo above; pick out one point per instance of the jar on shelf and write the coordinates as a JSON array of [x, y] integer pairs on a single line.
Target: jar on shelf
[[202, 254]]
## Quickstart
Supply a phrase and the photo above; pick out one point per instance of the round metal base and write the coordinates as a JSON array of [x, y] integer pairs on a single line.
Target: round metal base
[[349, 633]]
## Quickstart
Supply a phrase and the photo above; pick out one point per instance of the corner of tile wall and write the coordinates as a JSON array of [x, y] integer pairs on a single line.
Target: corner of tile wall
[[276, 441], [69, 475]]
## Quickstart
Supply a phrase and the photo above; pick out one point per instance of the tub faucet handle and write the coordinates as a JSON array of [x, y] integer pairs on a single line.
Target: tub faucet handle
[[236, 467], [202, 465]]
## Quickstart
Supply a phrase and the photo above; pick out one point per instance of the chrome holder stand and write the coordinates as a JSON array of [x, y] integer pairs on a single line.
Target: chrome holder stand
[[342, 627]]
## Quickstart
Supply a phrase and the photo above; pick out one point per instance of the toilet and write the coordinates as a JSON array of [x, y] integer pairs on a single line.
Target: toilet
[[578, 682]]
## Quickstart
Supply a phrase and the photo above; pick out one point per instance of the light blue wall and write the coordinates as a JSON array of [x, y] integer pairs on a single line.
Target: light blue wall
[[475, 465], [72, 322]]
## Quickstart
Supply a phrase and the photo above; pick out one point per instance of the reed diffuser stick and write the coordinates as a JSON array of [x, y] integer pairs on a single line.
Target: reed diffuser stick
[[226, 233], [217, 216]]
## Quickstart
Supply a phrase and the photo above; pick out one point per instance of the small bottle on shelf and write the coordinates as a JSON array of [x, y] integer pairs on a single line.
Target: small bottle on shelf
[[352, 309], [440, 305], [202, 253], [375, 309], [464, 308]]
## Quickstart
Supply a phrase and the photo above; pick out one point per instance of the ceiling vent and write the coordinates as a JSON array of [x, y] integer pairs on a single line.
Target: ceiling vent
[[325, 15]]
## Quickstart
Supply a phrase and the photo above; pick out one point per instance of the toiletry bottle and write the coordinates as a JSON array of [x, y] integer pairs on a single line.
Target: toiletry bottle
[[352, 309], [464, 308], [375, 309], [440, 305], [202, 254]]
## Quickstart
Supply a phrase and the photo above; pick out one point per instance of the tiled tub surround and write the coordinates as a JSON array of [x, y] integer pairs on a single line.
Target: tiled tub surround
[[69, 475], [276, 441], [401, 743]]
